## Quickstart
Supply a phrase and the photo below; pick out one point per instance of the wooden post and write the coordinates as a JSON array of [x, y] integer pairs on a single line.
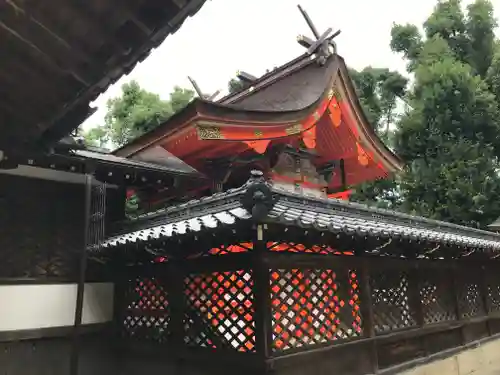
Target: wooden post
[[177, 302], [262, 297], [366, 307], [415, 302], [82, 270], [457, 286], [414, 299], [483, 287]]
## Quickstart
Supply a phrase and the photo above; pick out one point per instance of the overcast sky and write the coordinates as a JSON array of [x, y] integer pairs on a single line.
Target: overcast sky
[[254, 35]]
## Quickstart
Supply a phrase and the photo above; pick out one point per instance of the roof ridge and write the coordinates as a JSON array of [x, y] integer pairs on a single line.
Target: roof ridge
[[268, 78]]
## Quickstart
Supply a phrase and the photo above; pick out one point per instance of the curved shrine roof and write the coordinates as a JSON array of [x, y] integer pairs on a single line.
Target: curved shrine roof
[[301, 100]]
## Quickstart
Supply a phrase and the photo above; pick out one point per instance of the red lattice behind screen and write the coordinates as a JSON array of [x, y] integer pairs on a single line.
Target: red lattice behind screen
[[292, 247], [222, 303], [314, 306]]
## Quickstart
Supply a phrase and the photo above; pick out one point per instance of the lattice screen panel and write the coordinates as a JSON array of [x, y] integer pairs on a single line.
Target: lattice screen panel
[[292, 247], [391, 308], [220, 310], [493, 294], [469, 296], [147, 313], [438, 303], [313, 306]]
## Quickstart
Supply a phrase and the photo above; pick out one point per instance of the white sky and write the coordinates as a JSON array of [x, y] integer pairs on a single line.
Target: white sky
[[254, 35]]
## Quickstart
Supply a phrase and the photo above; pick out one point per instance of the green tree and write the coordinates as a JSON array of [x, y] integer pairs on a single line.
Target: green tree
[[480, 26], [136, 112], [235, 85], [179, 98], [379, 91], [97, 137], [449, 137]]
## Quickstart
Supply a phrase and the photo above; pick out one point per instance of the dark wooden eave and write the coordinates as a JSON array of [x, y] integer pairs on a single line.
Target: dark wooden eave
[[59, 55], [105, 167]]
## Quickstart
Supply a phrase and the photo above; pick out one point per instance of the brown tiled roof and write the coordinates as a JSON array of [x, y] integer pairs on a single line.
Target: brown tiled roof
[[289, 93]]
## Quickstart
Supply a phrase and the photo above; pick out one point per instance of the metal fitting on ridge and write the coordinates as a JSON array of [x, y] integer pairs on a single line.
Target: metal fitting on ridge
[[258, 199]]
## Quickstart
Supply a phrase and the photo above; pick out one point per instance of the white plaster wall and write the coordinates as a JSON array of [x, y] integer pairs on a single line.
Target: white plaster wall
[[43, 306]]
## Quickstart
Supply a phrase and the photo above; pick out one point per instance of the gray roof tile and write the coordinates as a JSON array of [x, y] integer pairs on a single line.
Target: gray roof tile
[[195, 224], [306, 212]]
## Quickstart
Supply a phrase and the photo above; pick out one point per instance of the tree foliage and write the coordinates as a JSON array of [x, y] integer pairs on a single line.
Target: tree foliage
[[235, 85], [97, 137], [134, 113], [380, 91], [449, 137]]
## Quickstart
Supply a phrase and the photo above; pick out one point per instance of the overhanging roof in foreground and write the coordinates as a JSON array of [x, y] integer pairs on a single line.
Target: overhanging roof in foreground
[[59, 55], [228, 209]]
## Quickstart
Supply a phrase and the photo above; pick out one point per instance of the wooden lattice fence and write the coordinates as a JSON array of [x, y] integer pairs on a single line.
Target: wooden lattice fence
[[315, 298]]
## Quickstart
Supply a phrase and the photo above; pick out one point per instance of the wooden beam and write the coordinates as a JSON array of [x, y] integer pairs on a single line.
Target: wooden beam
[[37, 50], [128, 11], [309, 22], [39, 98], [21, 116], [101, 26], [10, 127], [304, 41], [196, 87], [11, 75], [20, 103], [49, 28]]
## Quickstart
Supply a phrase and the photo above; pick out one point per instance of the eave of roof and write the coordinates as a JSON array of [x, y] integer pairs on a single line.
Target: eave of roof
[[242, 108], [70, 52], [228, 107], [291, 209], [105, 167]]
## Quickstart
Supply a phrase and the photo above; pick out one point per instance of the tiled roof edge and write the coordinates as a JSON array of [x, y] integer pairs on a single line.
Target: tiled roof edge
[[358, 208]]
